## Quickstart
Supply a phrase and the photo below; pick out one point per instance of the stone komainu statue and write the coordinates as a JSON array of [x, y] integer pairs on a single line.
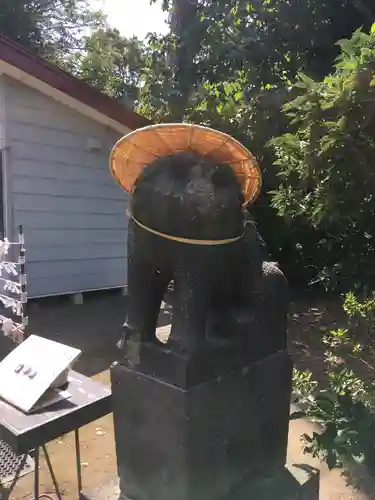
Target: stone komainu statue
[[189, 186]]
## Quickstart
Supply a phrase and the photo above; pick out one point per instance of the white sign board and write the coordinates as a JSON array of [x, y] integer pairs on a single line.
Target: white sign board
[[28, 372]]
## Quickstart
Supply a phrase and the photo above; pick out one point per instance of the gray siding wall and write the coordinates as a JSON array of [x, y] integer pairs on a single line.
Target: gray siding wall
[[72, 210]]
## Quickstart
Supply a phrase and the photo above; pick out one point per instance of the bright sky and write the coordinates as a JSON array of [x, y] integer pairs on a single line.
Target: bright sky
[[133, 17]]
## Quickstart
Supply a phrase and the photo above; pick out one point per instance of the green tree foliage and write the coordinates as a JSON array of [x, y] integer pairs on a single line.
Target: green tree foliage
[[112, 64], [325, 165], [258, 44], [20, 20], [243, 57], [52, 28], [171, 71]]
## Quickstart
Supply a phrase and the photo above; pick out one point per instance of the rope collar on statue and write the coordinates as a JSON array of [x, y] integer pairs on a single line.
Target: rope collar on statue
[[187, 241]]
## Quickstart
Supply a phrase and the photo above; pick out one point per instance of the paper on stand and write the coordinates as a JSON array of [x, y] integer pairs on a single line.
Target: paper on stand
[[28, 372]]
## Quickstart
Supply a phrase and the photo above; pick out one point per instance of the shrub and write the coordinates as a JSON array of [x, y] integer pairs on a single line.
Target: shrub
[[345, 407], [326, 167]]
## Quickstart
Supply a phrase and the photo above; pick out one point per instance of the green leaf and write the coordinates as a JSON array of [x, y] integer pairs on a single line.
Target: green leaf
[[344, 436], [349, 64], [238, 96], [297, 415], [326, 402], [309, 82], [373, 29]]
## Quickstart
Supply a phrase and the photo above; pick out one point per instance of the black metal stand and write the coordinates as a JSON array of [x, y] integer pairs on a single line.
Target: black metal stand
[[78, 462], [51, 471], [36, 475], [17, 474], [89, 401], [52, 474]]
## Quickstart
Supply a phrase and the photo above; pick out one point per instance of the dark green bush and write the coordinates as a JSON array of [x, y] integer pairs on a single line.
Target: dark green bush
[[326, 168], [345, 407]]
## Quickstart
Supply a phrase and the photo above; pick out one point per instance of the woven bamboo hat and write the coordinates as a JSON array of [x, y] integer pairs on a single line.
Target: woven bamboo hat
[[135, 151]]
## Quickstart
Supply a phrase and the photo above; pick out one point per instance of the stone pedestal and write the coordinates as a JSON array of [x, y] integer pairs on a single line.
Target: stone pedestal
[[205, 441], [294, 482]]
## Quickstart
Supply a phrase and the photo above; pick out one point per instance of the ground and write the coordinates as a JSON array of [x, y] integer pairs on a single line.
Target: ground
[[95, 328]]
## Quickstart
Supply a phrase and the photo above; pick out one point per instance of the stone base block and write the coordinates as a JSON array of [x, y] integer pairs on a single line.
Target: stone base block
[[202, 442], [295, 482]]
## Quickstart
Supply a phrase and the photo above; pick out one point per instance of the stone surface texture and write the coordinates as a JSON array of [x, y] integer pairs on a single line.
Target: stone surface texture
[[200, 443], [295, 482]]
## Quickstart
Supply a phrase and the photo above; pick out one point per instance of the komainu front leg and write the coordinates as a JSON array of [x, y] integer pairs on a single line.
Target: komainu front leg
[[146, 287], [270, 300], [190, 310]]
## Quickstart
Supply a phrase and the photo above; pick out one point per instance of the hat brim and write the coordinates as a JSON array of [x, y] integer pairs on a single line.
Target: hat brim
[[137, 150]]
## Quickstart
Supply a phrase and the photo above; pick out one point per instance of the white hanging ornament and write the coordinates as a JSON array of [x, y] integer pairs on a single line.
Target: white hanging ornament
[[4, 247], [8, 327], [11, 329]]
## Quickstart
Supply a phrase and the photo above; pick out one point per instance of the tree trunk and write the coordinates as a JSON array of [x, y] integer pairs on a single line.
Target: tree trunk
[[183, 24]]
